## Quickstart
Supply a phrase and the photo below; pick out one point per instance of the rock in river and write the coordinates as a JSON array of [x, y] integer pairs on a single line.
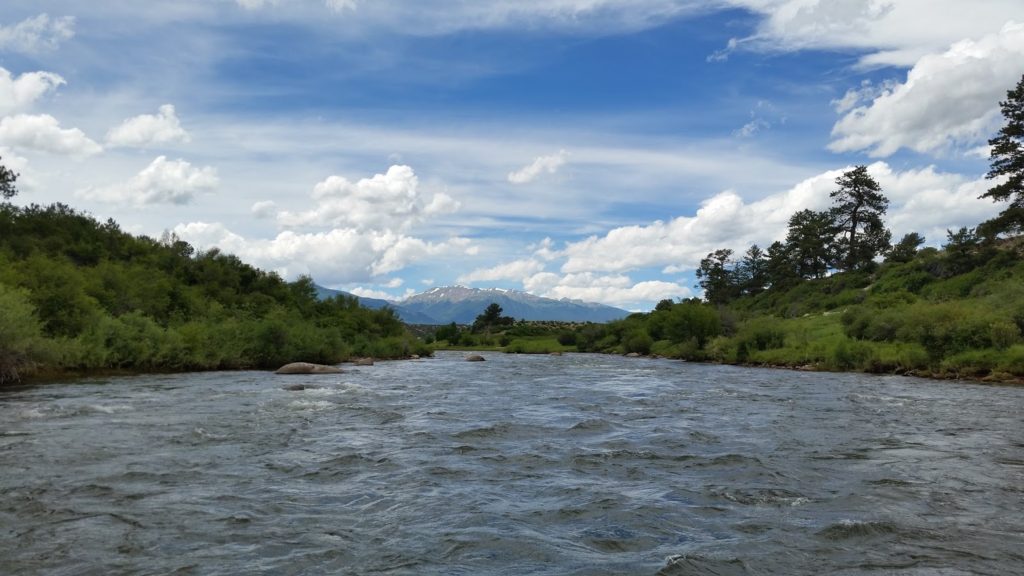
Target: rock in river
[[474, 358], [307, 368]]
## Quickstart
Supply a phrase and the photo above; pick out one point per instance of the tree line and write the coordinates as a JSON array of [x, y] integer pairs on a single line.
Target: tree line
[[77, 294], [851, 234]]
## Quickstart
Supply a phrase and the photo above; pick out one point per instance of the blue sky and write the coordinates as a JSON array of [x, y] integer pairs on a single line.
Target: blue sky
[[591, 149]]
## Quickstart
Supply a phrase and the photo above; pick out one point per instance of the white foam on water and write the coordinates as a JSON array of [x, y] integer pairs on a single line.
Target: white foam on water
[[311, 405]]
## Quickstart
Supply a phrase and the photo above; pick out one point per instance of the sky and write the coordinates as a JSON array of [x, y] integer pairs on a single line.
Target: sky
[[582, 149]]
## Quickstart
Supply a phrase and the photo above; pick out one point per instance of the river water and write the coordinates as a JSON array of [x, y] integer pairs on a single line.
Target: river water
[[578, 464]]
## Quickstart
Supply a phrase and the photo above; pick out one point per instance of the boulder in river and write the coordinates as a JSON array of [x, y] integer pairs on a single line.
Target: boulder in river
[[364, 362], [633, 355], [307, 368], [474, 358]]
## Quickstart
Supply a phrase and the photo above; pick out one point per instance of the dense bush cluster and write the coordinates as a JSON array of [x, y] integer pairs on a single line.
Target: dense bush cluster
[[77, 294]]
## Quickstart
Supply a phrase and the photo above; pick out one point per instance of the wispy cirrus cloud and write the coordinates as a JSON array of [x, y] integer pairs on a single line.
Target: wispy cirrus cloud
[[37, 34]]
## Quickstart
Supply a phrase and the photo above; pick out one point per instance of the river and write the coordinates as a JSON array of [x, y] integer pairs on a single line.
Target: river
[[575, 464]]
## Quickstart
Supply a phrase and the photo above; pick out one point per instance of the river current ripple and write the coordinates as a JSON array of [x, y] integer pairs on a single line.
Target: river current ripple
[[578, 464]]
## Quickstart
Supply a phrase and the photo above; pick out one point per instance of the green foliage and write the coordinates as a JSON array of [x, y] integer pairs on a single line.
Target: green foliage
[[99, 298], [857, 219], [1007, 163], [491, 319], [21, 337]]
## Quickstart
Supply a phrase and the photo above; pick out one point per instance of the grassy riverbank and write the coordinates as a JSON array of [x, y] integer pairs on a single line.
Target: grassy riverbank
[[938, 315]]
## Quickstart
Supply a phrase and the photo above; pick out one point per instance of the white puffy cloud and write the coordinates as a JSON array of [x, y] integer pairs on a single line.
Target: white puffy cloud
[[515, 270], [549, 164], [947, 99], [264, 209], [390, 201], [924, 201], [162, 182], [147, 129], [18, 94], [337, 256], [43, 132], [614, 290], [37, 34], [379, 294], [891, 32]]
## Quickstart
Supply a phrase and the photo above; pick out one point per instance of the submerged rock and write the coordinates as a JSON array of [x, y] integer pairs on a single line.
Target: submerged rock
[[474, 358], [307, 368]]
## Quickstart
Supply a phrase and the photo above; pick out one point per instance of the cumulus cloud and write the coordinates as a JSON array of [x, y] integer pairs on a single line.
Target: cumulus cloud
[[37, 34], [162, 182], [147, 129], [337, 256], [924, 201], [357, 231], [19, 165], [613, 289], [947, 99], [890, 31], [390, 201], [379, 294], [43, 132], [515, 270], [542, 164], [264, 209], [18, 94]]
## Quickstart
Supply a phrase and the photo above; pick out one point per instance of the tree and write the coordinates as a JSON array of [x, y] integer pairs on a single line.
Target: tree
[[810, 243], [752, 271], [490, 318], [1007, 157], [906, 248], [780, 270], [857, 218], [961, 249], [716, 275], [7, 179]]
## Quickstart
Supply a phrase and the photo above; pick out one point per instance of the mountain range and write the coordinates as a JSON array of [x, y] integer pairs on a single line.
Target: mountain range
[[462, 305]]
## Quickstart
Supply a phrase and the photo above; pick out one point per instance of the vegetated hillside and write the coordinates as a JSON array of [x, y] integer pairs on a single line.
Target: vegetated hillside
[[77, 294], [461, 305], [944, 313]]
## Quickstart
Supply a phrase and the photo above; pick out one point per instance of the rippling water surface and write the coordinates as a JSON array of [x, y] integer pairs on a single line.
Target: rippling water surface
[[579, 464]]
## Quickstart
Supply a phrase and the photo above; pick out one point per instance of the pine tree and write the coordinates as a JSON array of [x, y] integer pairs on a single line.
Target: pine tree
[[1007, 159], [857, 218]]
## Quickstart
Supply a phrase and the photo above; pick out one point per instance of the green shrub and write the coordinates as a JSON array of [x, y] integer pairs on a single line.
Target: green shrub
[[638, 341]]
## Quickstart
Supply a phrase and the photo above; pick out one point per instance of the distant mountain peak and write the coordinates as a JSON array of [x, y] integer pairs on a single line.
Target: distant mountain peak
[[462, 304]]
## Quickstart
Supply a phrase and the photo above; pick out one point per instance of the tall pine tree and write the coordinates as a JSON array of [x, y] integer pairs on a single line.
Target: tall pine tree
[[1007, 159], [857, 217]]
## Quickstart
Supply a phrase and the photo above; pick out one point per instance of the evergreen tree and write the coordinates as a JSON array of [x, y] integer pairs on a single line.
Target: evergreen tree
[[752, 271], [857, 218], [906, 248], [1007, 159], [779, 267], [810, 243], [7, 179], [716, 275]]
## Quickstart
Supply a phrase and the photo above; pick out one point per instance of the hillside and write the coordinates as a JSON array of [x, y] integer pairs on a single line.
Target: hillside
[[944, 314], [80, 295]]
